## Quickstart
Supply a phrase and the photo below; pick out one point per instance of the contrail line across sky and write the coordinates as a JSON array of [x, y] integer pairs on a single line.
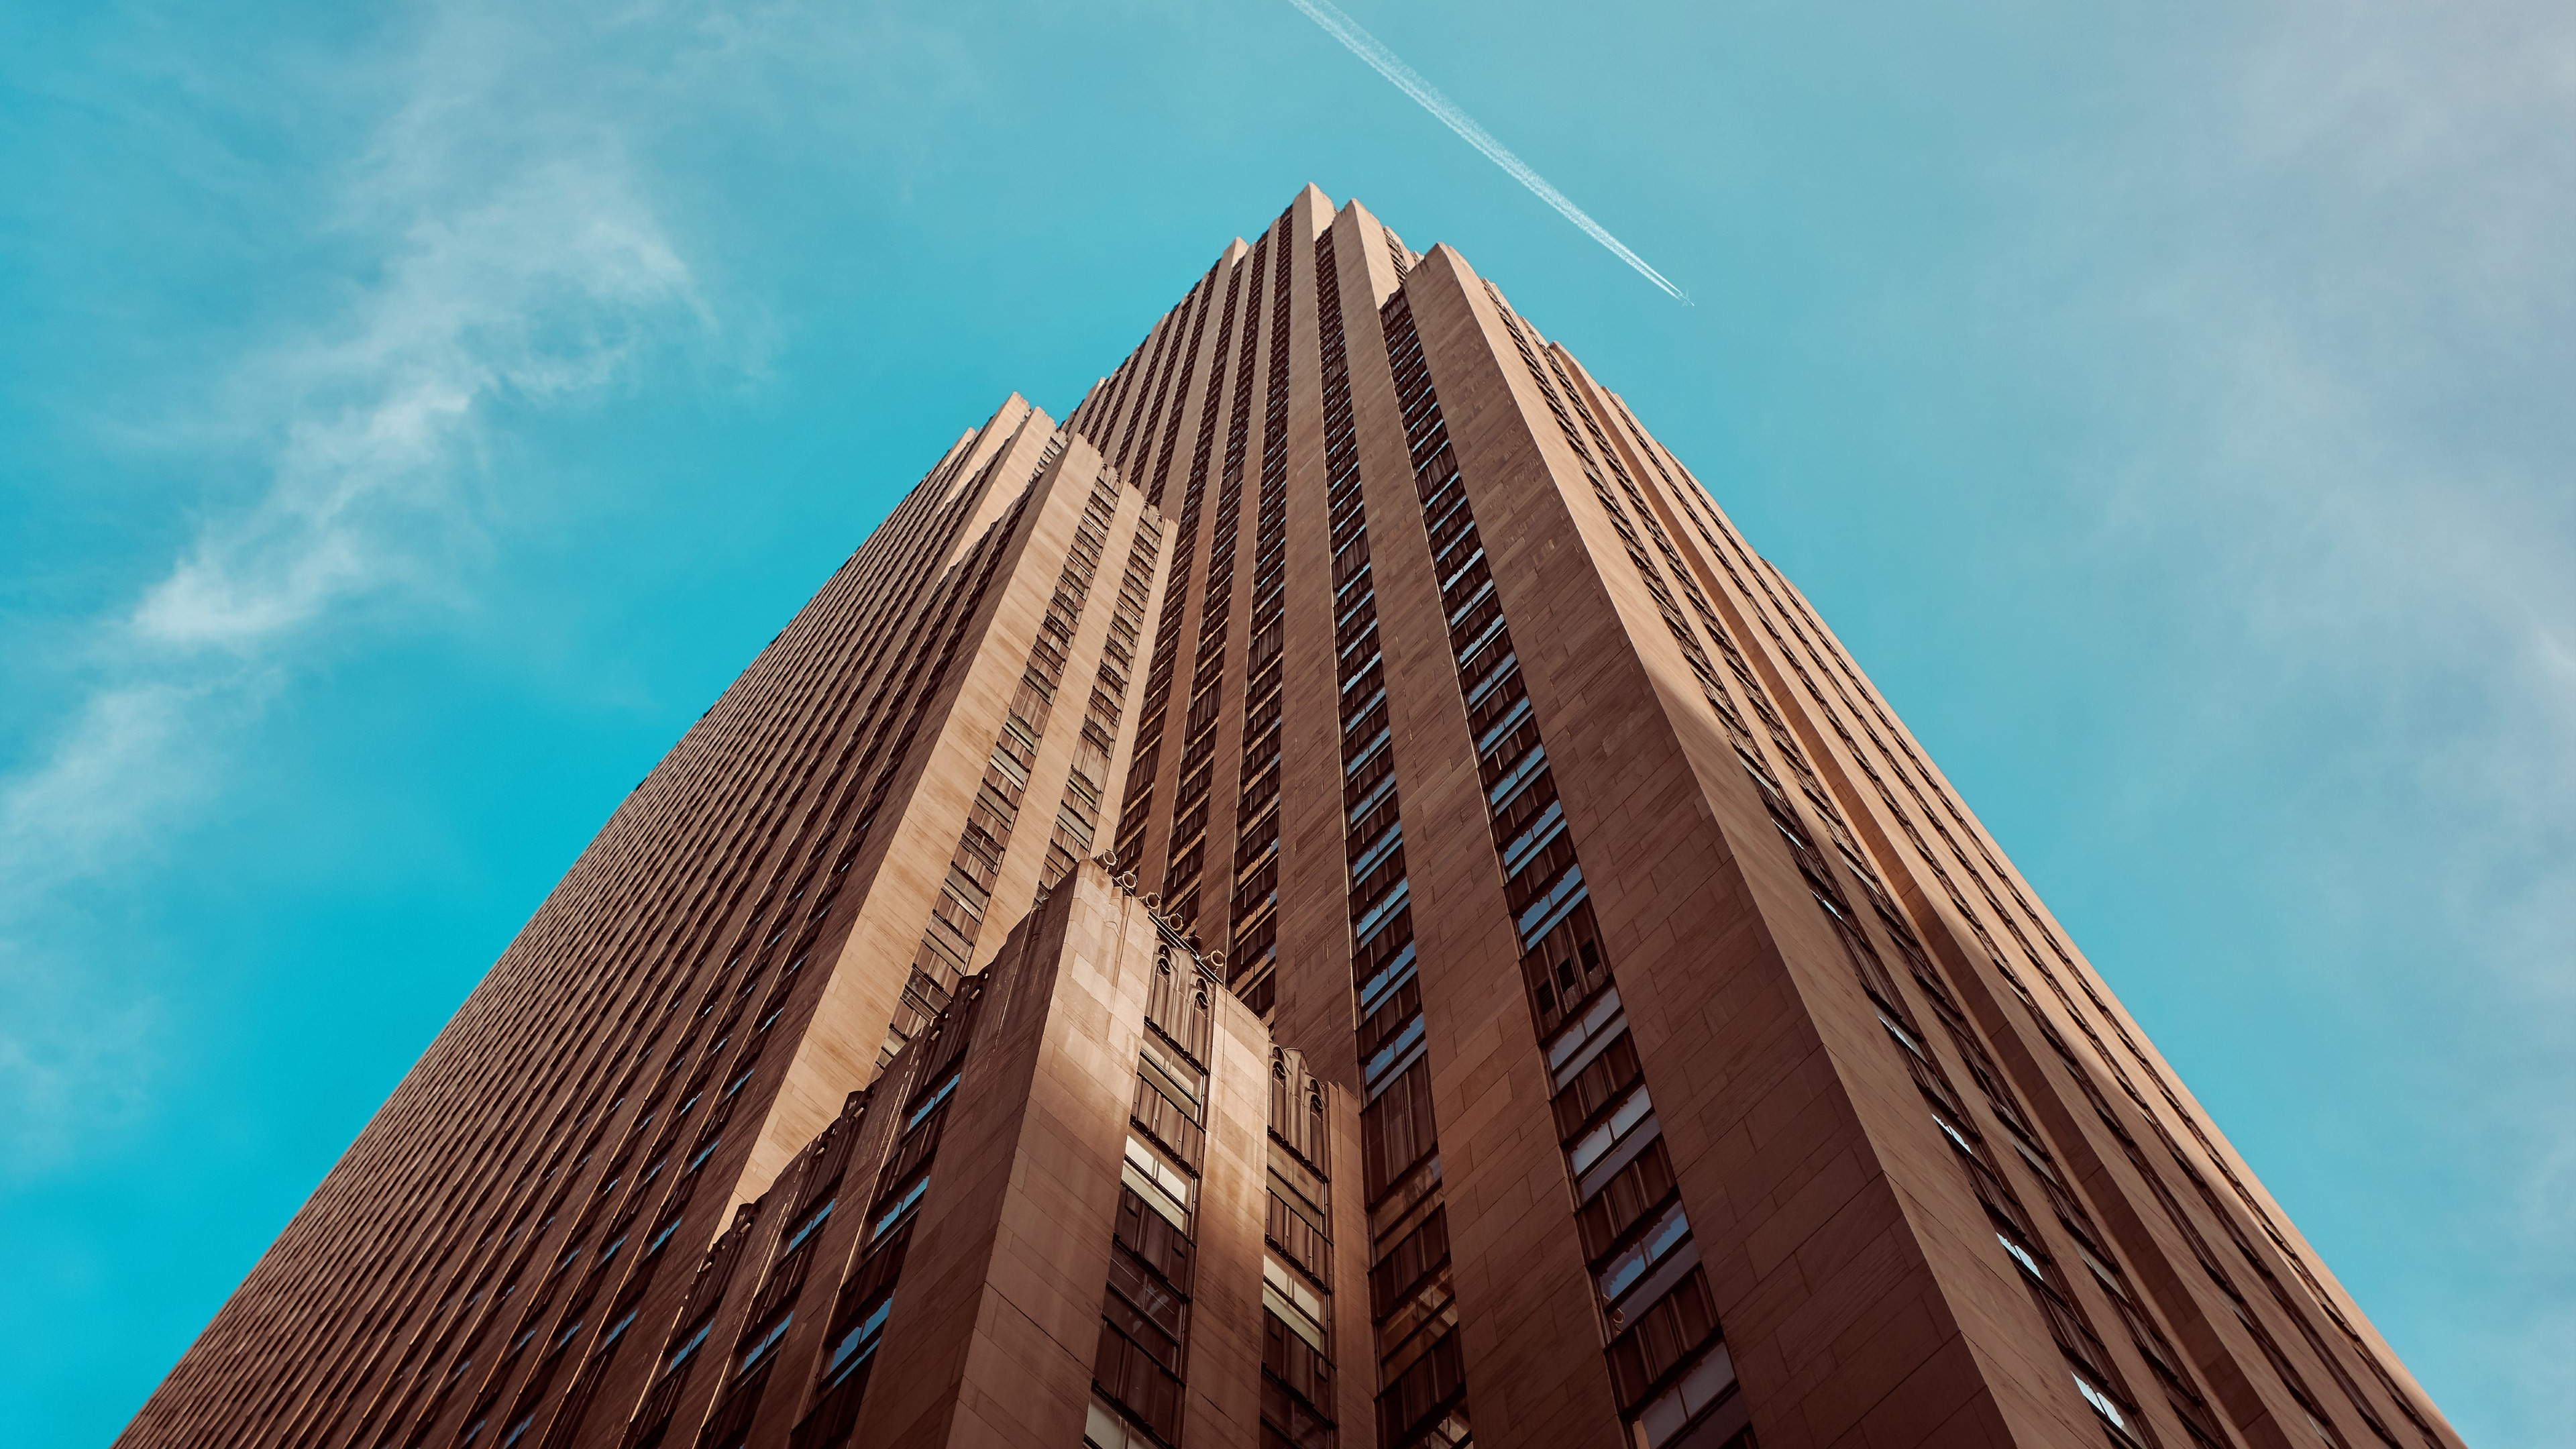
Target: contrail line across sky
[[1387, 63]]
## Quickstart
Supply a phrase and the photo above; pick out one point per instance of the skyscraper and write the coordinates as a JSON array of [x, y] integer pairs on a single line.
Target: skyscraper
[[1327, 899]]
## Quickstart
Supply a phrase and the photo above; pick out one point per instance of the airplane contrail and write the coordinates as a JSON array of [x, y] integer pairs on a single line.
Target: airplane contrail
[[1387, 63]]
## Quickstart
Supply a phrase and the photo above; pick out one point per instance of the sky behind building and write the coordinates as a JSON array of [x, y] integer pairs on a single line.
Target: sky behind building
[[416, 416]]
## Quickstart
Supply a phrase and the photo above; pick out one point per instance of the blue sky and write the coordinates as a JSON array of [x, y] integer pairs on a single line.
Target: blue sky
[[411, 416]]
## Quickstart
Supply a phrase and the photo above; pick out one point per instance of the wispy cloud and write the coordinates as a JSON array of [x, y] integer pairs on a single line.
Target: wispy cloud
[[1387, 63], [538, 288], [507, 252]]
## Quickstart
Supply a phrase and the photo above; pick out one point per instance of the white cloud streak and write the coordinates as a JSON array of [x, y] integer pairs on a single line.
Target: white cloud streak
[[1385, 62]]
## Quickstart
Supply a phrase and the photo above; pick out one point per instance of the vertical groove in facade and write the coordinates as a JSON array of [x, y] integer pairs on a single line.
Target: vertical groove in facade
[[1297, 1373], [1185, 853], [1078, 818], [1422, 1398], [1668, 1363], [1252, 938], [1138, 1370]]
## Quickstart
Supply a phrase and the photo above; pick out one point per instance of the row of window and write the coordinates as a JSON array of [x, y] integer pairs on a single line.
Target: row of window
[[547, 936], [947, 948], [855, 1330], [803, 1206], [1660, 1321], [1177, 380], [1139, 1361], [1078, 817], [702, 1139], [1297, 1266], [2094, 1377], [1413, 1307], [1137, 806], [1253, 900], [1694, 506], [1185, 853], [1985, 871], [1136, 450], [1140, 363]]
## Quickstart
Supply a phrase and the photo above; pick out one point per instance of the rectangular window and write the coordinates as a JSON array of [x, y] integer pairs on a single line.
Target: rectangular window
[[1596, 1144], [1176, 1080], [1578, 1042], [931, 1103], [1106, 1428], [689, 1345], [616, 1329], [764, 1341], [1630, 1264], [662, 1235], [1164, 1187], [902, 1205], [2104, 1405], [806, 1229], [1703, 1386], [1293, 1301], [857, 1343]]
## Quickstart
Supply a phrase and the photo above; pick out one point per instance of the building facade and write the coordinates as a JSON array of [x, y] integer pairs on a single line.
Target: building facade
[[1327, 899]]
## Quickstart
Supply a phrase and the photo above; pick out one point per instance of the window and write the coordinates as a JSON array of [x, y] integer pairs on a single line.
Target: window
[[1597, 1143], [1163, 1186], [931, 1102], [1630, 1264], [1383, 1062], [812, 1223], [1537, 835], [858, 1343], [902, 1204], [1106, 1428], [2022, 1255], [1903, 1037], [2103, 1404], [764, 1341], [1378, 851], [662, 1235], [699, 1159], [1174, 1078], [690, 1344], [1293, 1301], [1565, 1050], [1704, 1384]]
